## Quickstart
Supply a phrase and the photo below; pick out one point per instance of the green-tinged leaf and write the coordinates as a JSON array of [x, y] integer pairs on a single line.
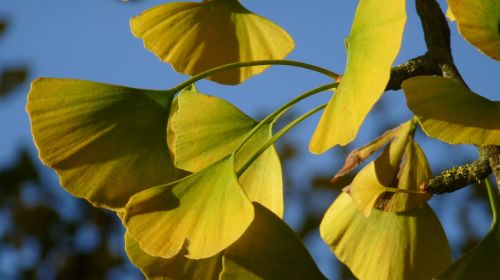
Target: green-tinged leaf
[[450, 112], [194, 37], [178, 267], [105, 142], [386, 245], [262, 181], [374, 43], [269, 249], [203, 129], [482, 262], [203, 213], [479, 23]]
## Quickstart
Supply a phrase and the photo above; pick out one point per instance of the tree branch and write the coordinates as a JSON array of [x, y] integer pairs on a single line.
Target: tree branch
[[437, 39], [458, 177], [418, 66]]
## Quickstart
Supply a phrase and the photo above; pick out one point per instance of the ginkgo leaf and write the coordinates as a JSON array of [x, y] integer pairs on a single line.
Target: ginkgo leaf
[[386, 245], [391, 182], [357, 156], [203, 213], [414, 171], [105, 142], [374, 43], [199, 137], [269, 249], [479, 23], [450, 15], [482, 261], [194, 37], [178, 267], [366, 189], [450, 112], [203, 129]]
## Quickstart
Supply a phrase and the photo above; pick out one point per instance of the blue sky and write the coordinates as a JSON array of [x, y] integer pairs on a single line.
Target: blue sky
[[91, 40]]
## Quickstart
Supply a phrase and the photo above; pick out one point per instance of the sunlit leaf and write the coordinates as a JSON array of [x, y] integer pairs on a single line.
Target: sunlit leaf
[[449, 111], [105, 142], [482, 261], [391, 182], [450, 15], [386, 245], [479, 23], [413, 172], [204, 129], [366, 189], [178, 267], [269, 249], [203, 213], [374, 43], [194, 37]]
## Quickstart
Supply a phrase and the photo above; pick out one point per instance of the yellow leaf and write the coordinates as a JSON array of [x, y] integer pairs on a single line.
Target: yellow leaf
[[366, 189], [386, 245], [374, 43], [479, 23], [450, 112], [414, 171], [178, 267], [195, 37], [203, 129], [104, 141], [392, 181], [269, 249], [203, 213], [450, 15]]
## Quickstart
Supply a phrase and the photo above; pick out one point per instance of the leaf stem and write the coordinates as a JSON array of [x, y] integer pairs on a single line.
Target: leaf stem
[[214, 70], [280, 111], [494, 195], [275, 137]]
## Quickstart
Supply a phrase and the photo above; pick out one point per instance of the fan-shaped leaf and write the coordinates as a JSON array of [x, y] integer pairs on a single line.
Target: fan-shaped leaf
[[374, 43], [105, 142], [413, 172], [203, 213], [178, 267], [479, 23], [449, 111], [204, 129], [392, 181], [269, 249], [386, 245], [194, 37]]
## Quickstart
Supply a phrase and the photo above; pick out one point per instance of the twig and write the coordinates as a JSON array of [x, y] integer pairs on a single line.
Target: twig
[[418, 66], [437, 38]]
